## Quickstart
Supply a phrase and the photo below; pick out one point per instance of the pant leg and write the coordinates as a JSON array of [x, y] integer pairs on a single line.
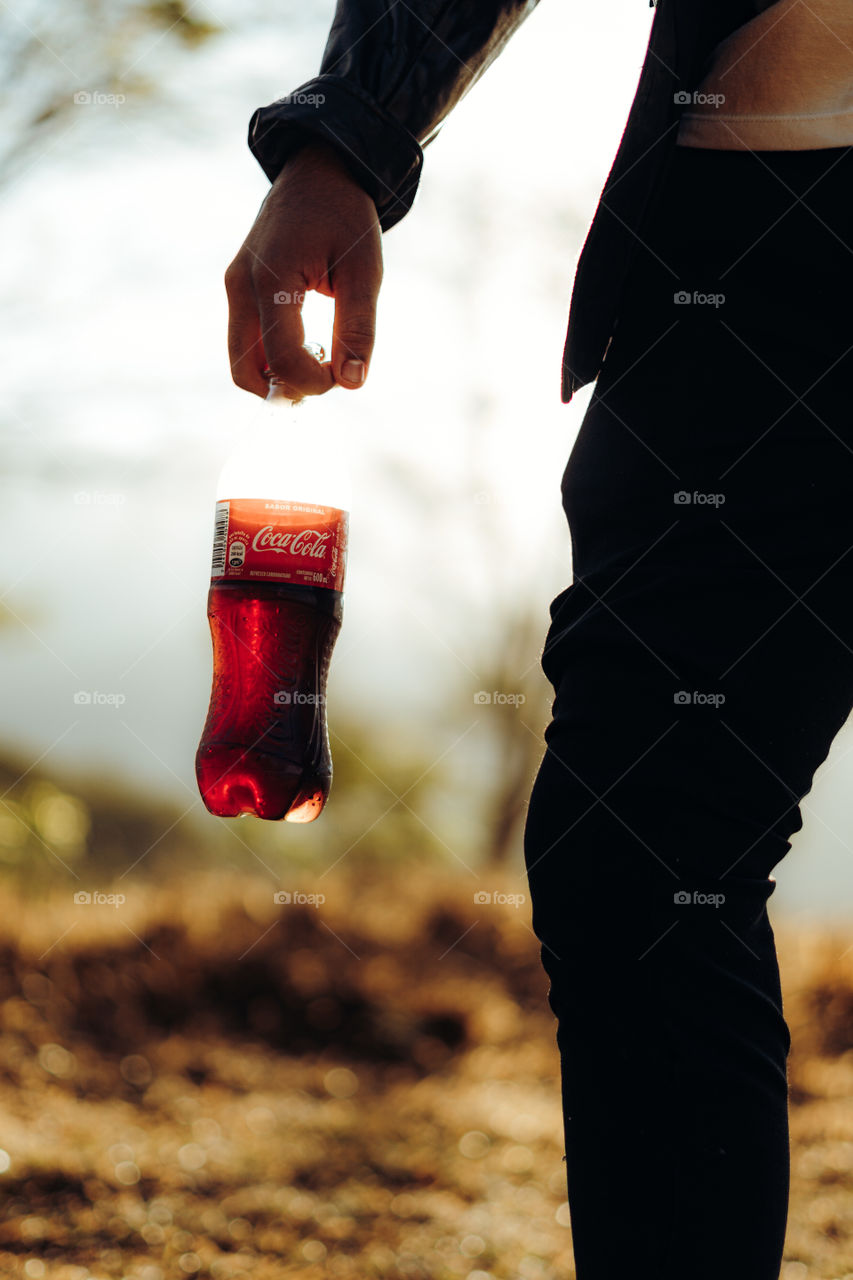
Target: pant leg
[[702, 662]]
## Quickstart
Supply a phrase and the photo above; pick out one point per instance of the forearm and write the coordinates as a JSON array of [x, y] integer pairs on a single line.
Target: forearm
[[388, 79]]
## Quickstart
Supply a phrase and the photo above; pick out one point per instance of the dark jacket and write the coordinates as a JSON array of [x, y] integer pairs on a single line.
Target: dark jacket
[[394, 69]]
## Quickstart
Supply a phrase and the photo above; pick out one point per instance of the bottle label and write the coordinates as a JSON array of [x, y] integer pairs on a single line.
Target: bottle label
[[298, 542]]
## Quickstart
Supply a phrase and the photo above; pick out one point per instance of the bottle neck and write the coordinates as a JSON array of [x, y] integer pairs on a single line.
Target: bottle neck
[[287, 454], [278, 395]]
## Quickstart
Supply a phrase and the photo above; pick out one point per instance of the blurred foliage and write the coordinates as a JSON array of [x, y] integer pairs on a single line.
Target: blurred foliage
[[175, 16], [57, 829], [50, 52], [53, 831]]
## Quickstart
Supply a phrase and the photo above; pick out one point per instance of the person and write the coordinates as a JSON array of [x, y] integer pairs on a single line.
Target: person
[[701, 655]]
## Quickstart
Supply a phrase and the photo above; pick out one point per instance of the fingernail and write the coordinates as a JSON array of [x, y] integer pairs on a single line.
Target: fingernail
[[353, 371]]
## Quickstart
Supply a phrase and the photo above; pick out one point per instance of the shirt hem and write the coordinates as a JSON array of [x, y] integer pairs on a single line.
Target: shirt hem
[[765, 133]]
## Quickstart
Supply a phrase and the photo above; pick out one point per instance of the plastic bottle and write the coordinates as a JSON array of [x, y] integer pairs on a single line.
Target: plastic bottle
[[275, 609]]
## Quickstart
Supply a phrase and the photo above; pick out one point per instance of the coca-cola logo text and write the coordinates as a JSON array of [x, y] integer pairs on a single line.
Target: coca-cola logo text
[[303, 542]]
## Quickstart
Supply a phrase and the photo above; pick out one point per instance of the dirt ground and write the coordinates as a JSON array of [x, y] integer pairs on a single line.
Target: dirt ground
[[204, 1082]]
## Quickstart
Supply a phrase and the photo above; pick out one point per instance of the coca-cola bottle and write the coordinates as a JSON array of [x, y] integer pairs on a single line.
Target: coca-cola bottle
[[275, 607]]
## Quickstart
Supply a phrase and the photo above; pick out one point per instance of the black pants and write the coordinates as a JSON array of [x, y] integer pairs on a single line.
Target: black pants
[[702, 661]]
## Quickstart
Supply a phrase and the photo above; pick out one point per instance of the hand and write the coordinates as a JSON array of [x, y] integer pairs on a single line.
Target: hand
[[317, 229]]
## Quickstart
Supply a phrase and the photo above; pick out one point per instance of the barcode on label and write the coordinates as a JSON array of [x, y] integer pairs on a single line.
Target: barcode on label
[[220, 540]]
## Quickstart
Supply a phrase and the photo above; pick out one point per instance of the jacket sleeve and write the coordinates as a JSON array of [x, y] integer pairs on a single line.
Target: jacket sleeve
[[391, 72]]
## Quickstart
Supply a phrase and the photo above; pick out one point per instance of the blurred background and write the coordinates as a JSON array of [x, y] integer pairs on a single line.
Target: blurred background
[[128, 187]]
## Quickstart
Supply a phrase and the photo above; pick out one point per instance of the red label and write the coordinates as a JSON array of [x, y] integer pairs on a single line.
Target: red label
[[297, 542]]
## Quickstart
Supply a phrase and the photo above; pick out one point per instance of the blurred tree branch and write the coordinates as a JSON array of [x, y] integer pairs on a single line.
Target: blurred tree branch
[[53, 55]]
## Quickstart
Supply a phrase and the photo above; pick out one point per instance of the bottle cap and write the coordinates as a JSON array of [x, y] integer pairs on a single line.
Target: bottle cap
[[277, 385]]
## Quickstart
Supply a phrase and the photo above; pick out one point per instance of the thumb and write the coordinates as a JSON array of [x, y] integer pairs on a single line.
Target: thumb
[[356, 288]]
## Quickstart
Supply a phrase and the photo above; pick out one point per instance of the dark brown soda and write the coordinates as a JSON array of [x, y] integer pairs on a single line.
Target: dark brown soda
[[265, 745]]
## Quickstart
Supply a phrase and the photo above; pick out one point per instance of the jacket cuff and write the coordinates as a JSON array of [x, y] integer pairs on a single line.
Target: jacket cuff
[[384, 158]]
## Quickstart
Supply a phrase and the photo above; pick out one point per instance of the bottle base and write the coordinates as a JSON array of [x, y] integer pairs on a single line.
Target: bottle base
[[308, 805], [234, 784]]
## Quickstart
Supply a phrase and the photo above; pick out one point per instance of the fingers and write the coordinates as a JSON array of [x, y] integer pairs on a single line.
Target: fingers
[[245, 346], [265, 334], [279, 306], [317, 229], [356, 283], [265, 329]]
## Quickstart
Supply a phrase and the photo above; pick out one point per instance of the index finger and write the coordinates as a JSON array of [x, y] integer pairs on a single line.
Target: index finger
[[245, 349], [283, 335]]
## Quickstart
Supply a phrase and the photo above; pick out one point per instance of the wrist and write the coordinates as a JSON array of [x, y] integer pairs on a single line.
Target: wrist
[[314, 156]]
